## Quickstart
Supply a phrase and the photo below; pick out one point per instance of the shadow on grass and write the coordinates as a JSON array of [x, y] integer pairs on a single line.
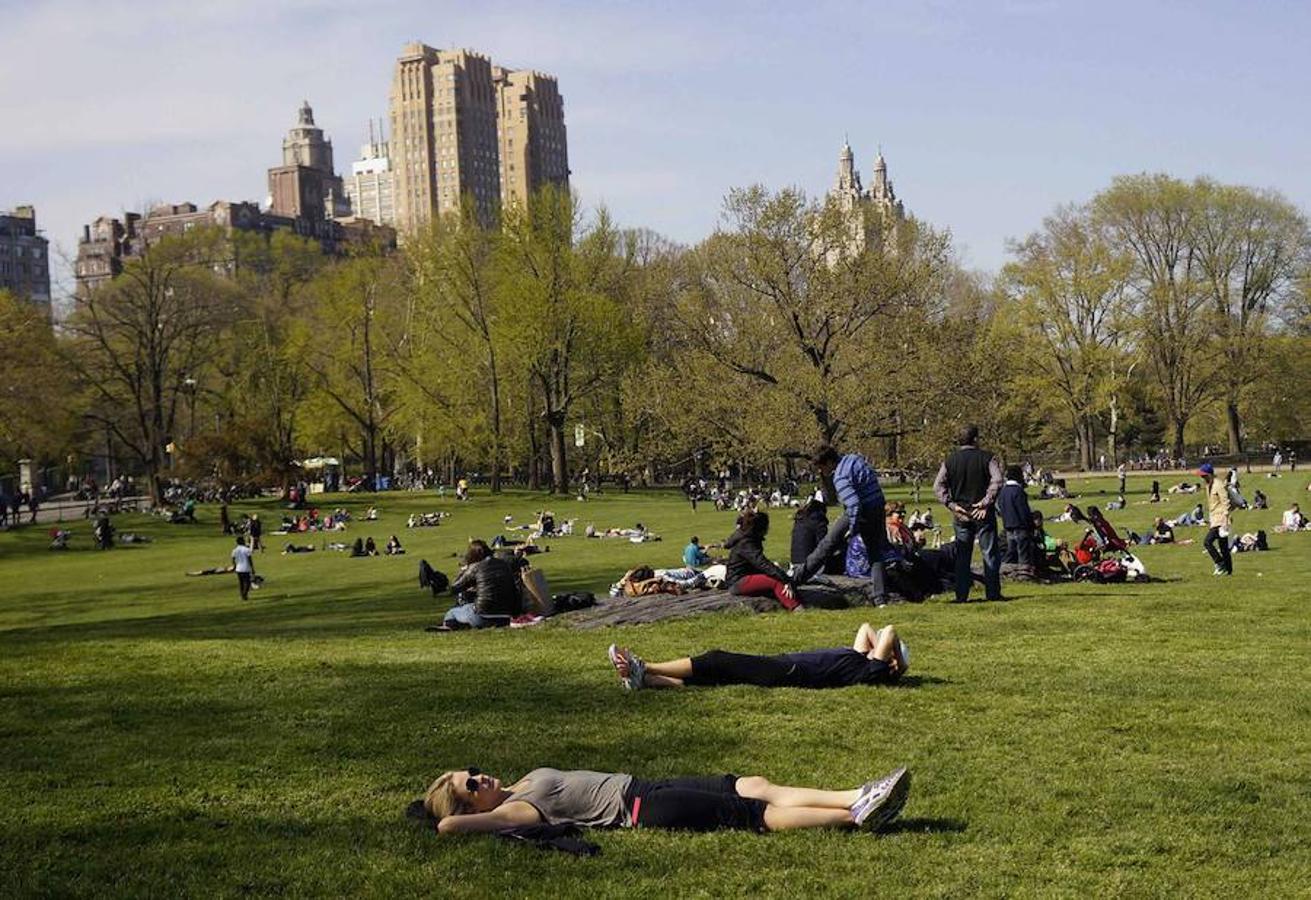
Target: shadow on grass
[[921, 825]]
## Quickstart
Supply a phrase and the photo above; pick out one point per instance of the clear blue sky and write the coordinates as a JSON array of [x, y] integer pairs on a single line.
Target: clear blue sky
[[990, 113]]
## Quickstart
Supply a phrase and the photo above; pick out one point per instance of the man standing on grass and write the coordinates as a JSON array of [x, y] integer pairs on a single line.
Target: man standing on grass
[[858, 490], [967, 484], [1219, 506], [243, 565]]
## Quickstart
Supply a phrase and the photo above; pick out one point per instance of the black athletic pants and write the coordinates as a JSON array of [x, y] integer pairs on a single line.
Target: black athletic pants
[[704, 803], [1220, 557], [720, 667]]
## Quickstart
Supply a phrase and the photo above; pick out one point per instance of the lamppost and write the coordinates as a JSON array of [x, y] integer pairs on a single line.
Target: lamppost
[[190, 384]]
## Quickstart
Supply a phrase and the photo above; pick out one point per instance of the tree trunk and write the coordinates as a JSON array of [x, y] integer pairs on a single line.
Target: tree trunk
[[559, 460], [1235, 428], [1177, 424]]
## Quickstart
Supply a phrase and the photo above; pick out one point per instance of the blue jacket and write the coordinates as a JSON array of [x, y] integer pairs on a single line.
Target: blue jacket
[[694, 555], [857, 485], [1013, 504]]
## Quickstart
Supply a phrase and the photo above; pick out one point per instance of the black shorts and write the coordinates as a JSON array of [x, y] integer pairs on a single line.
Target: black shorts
[[697, 803], [243, 581]]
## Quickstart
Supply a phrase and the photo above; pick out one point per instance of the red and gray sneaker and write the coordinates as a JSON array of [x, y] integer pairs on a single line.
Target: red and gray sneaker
[[636, 677], [881, 801]]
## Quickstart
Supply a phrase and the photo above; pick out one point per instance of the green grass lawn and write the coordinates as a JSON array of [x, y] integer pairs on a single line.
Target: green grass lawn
[[159, 737]]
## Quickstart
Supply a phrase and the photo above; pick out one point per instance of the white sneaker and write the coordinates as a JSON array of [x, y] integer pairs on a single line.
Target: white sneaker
[[636, 678], [881, 801]]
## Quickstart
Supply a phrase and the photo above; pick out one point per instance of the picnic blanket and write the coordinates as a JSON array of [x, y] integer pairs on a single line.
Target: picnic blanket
[[830, 592]]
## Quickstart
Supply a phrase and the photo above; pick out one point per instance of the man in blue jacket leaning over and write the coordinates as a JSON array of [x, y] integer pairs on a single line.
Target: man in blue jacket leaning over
[[861, 496]]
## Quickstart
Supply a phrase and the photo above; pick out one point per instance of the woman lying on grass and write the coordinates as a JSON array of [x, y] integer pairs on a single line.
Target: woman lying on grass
[[876, 657], [470, 801]]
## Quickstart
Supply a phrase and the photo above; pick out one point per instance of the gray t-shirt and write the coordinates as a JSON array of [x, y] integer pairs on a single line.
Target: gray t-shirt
[[589, 799]]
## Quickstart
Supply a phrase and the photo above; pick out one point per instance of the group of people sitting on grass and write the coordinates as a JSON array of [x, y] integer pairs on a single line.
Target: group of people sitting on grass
[[313, 521]]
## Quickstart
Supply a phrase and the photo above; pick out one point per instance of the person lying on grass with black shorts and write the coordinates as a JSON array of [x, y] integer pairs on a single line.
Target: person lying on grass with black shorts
[[471, 801], [876, 657]]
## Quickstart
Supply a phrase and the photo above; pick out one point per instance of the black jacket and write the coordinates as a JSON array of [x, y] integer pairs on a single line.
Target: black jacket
[[746, 556], [494, 582], [1014, 507]]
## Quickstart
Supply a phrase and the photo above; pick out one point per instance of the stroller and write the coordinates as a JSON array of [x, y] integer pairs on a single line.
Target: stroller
[[1106, 557]]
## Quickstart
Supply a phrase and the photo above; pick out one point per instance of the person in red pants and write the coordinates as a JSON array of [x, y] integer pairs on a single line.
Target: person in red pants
[[750, 572]]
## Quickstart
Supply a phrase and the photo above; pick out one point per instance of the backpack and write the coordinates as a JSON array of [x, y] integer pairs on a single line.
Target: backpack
[[573, 601], [431, 578], [857, 558]]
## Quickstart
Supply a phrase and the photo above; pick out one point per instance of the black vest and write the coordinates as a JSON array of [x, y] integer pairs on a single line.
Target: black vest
[[968, 475]]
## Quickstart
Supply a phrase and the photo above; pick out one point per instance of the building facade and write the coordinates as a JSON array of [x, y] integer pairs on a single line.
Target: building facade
[[531, 136], [306, 185], [451, 114], [371, 185], [24, 257], [851, 198], [306, 198]]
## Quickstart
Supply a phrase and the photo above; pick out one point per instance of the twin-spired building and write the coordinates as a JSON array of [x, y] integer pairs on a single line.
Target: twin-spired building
[[462, 126]]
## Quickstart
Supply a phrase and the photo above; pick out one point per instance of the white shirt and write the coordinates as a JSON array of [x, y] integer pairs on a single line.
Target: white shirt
[[241, 559]]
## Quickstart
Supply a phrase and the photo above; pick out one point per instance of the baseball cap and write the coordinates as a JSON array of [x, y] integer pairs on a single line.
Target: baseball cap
[[1206, 469]]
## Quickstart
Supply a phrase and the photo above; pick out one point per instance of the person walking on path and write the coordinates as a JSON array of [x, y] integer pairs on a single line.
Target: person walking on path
[[1219, 507], [1122, 474], [244, 566], [968, 482], [858, 490]]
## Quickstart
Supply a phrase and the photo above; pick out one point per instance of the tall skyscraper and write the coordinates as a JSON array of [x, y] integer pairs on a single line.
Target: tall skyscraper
[[24, 257], [531, 133], [371, 185], [452, 113], [306, 185]]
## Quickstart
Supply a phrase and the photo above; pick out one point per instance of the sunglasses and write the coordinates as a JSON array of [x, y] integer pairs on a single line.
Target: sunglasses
[[471, 783]]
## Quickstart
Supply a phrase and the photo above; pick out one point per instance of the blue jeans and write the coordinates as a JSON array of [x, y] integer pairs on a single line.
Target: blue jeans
[[465, 614], [873, 530], [985, 532]]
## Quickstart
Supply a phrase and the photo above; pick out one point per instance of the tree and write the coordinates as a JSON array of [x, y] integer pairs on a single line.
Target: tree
[[563, 284], [456, 330], [1251, 247], [38, 399], [1072, 285], [791, 298], [137, 339], [341, 343], [1155, 218]]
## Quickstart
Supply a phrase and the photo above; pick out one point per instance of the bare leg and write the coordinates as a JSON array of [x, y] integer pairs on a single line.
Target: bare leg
[[756, 787], [781, 818], [675, 668], [661, 681]]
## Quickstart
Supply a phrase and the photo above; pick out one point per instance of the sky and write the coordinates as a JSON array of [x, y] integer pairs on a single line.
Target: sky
[[990, 113]]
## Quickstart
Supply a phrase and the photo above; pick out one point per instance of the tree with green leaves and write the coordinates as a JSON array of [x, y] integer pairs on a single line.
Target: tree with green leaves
[[1071, 285], [39, 400], [138, 340], [1251, 246], [790, 298], [563, 283]]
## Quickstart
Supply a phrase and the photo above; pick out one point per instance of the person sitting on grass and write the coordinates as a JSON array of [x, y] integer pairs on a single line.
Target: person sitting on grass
[[1292, 520], [1162, 532], [694, 555], [491, 582], [751, 573], [469, 801], [370, 548], [1260, 500], [876, 657], [394, 547]]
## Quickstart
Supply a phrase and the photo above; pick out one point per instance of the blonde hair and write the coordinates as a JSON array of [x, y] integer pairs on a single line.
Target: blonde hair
[[440, 800]]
